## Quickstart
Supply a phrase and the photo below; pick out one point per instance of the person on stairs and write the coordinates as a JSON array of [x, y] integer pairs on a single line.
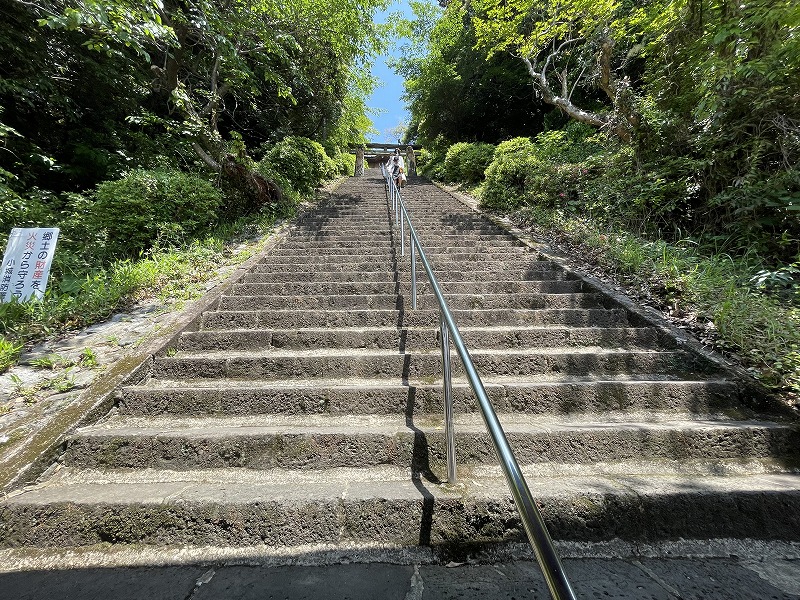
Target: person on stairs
[[396, 167]]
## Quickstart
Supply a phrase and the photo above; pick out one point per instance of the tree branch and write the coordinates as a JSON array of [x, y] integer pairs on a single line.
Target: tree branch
[[564, 103], [207, 158]]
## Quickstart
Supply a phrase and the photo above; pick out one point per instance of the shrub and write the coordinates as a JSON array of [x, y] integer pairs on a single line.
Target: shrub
[[34, 209], [289, 194], [467, 163], [574, 143], [147, 207], [345, 163], [423, 156], [762, 214], [506, 176], [302, 162]]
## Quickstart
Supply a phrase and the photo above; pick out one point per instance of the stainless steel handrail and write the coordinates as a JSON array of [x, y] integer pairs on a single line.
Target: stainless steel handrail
[[538, 536]]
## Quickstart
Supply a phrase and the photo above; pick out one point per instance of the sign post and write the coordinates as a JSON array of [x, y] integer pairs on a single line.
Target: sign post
[[26, 263]]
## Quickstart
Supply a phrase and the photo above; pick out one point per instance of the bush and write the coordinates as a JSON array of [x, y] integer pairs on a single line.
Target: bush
[[300, 161], [143, 208], [573, 144], [762, 214], [290, 195], [507, 174], [345, 163], [467, 163], [35, 209], [423, 156]]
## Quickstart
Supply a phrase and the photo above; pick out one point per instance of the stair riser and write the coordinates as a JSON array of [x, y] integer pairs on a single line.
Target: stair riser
[[406, 521], [570, 286], [439, 265], [460, 245], [442, 275], [418, 366], [364, 244], [424, 302], [419, 450], [530, 399], [418, 339], [420, 318]]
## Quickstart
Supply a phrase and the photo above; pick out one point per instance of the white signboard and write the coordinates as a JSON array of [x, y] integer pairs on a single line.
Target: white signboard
[[26, 263]]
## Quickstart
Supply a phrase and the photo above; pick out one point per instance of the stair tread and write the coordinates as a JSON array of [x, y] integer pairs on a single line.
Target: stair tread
[[393, 352], [235, 486], [544, 379], [467, 328], [376, 424]]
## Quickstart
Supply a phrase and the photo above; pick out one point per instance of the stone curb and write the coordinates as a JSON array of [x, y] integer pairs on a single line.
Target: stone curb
[[752, 392], [35, 455]]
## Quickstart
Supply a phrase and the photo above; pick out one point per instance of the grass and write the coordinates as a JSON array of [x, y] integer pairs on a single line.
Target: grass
[[719, 292], [9, 353], [172, 275]]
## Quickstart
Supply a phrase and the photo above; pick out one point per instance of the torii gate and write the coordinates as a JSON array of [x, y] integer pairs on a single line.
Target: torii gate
[[376, 154]]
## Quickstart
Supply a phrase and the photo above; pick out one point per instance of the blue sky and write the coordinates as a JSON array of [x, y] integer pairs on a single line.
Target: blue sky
[[387, 95]]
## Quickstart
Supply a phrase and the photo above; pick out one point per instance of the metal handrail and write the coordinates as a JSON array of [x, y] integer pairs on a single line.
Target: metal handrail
[[538, 536]]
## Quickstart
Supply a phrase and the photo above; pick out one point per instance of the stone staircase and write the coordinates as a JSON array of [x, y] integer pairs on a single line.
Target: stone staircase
[[305, 410]]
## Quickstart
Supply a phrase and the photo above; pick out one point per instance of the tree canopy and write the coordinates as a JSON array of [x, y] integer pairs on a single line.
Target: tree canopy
[[91, 84], [704, 92]]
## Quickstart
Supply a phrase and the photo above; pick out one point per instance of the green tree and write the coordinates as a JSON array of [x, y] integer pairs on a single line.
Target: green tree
[[453, 90], [569, 45]]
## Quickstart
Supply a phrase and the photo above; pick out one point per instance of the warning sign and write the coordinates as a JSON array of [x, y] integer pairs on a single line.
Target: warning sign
[[26, 263]]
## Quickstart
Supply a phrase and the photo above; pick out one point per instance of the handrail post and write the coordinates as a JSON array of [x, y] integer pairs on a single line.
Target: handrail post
[[395, 195], [402, 236], [413, 275], [447, 384]]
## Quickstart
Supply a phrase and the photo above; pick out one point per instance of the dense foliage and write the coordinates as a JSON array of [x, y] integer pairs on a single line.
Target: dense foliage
[[697, 101], [454, 93], [90, 91]]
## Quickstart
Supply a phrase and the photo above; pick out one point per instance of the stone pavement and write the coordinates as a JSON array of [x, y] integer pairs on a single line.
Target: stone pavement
[[643, 578]]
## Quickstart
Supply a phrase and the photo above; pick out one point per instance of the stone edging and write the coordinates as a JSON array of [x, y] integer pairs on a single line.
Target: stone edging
[[752, 392], [34, 455]]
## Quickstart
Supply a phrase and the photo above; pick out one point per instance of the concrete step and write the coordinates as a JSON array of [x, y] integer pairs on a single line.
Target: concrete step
[[461, 273], [377, 254], [291, 319], [315, 276], [443, 265], [553, 395], [424, 338], [363, 507], [371, 363], [459, 240], [323, 441], [327, 269], [424, 301], [299, 239], [560, 286]]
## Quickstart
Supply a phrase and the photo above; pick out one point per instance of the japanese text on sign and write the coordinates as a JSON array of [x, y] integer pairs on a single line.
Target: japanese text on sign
[[26, 263]]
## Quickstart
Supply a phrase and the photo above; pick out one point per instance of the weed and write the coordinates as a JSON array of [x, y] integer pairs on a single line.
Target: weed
[[63, 383], [87, 358], [52, 362], [9, 353], [171, 351]]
